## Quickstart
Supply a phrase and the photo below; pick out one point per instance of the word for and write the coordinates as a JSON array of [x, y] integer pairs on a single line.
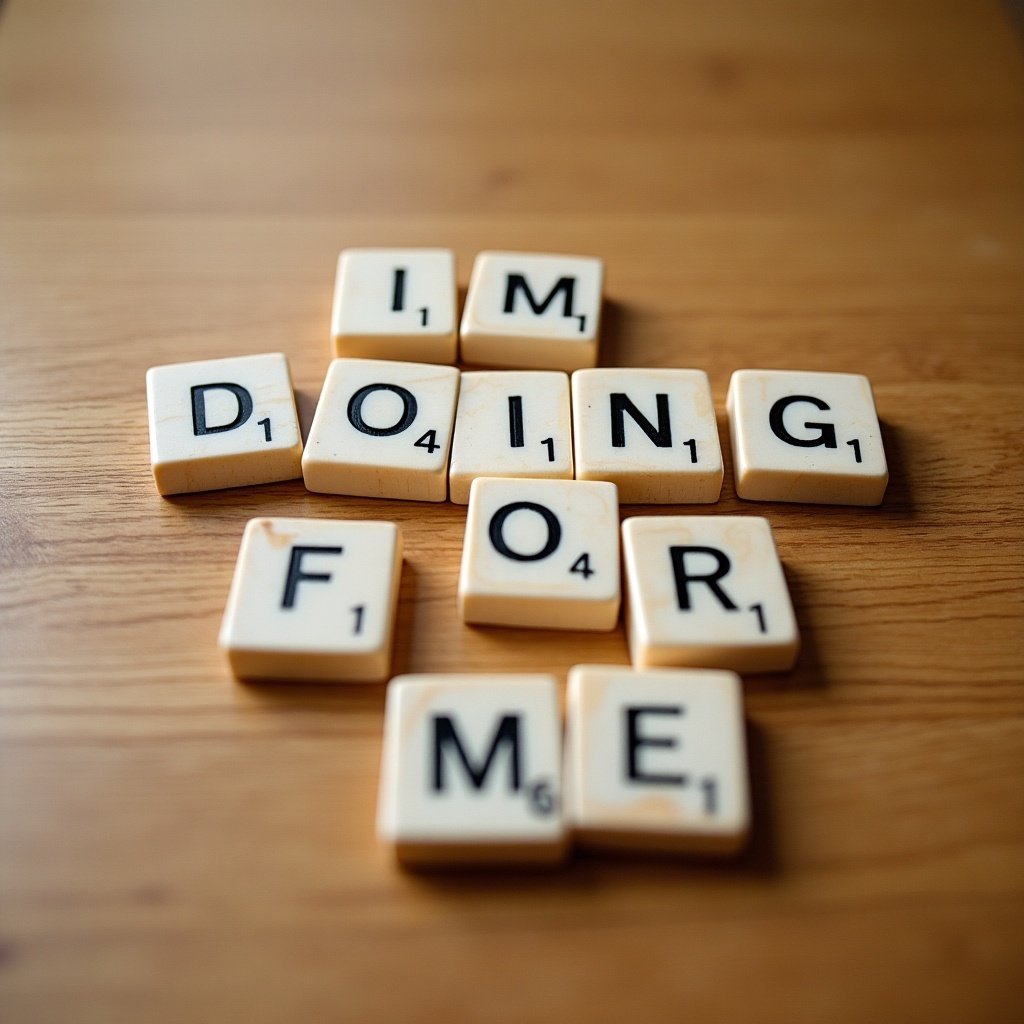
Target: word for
[[317, 598]]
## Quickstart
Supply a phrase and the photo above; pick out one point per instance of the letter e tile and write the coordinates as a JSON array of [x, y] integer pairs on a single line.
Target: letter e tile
[[656, 760]]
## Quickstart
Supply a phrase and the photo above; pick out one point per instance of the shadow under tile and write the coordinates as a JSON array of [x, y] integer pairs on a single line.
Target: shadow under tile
[[586, 870], [899, 494], [808, 672], [617, 327]]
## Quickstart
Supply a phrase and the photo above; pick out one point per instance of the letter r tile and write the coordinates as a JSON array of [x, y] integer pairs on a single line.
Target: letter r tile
[[707, 592], [222, 423], [811, 437], [313, 599], [471, 770]]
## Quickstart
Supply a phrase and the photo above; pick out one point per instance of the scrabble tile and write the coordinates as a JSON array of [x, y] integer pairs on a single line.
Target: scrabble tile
[[313, 599], [707, 591], [396, 304], [382, 429], [651, 432], [471, 770], [222, 423], [511, 423], [541, 553], [656, 760], [810, 437], [532, 311]]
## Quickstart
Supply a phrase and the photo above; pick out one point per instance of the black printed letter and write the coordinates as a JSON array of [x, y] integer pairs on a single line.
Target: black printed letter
[[634, 741], [516, 282], [827, 432], [199, 426], [296, 575], [515, 421], [683, 579], [409, 410], [398, 292], [621, 404], [445, 735], [495, 530]]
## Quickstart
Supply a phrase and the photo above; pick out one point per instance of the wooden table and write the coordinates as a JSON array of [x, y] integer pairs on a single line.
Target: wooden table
[[805, 185]]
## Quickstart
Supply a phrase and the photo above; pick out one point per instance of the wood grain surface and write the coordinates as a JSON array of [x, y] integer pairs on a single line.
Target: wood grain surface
[[805, 184]]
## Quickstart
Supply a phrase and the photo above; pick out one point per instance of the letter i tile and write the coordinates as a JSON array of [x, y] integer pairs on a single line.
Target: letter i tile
[[313, 599], [708, 592], [656, 760], [222, 423], [811, 437], [471, 770], [511, 423], [396, 304]]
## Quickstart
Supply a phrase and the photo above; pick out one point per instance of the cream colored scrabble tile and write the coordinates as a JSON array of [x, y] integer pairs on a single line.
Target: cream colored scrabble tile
[[707, 591], [222, 423], [511, 423], [651, 432], [313, 599], [810, 437], [541, 553], [471, 770], [396, 304], [532, 311], [657, 760], [382, 430]]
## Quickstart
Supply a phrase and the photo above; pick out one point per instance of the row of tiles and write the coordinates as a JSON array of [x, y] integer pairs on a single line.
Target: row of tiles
[[475, 768], [523, 310], [422, 431], [317, 598]]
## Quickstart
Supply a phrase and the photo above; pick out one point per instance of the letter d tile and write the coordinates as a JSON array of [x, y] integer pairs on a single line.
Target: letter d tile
[[222, 423]]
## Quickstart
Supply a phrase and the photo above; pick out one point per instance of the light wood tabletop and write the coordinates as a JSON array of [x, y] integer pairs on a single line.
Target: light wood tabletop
[[804, 185]]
